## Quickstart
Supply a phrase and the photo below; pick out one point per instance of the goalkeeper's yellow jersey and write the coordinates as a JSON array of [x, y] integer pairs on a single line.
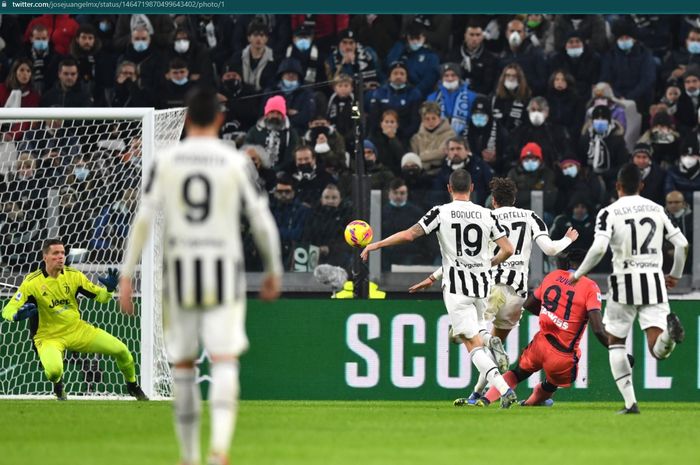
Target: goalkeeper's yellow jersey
[[55, 298]]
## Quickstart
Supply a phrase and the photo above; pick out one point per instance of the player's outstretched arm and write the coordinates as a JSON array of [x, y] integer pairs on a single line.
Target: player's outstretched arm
[[595, 321], [595, 253], [552, 248], [532, 304], [427, 282], [680, 254], [16, 303], [401, 237]]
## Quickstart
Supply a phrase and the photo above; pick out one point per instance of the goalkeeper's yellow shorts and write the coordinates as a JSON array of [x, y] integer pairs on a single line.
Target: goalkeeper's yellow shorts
[[76, 337]]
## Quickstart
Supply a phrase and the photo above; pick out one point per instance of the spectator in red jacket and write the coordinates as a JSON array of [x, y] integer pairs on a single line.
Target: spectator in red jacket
[[61, 28]]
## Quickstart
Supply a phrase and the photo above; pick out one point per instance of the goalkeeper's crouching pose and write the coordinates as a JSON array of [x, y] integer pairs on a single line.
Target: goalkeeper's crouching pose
[[48, 296]]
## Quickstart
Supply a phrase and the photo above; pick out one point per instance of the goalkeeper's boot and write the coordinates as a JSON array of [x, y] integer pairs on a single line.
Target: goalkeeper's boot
[[451, 335], [544, 403], [675, 328], [499, 353], [632, 409], [135, 391], [508, 399], [59, 392], [467, 401]]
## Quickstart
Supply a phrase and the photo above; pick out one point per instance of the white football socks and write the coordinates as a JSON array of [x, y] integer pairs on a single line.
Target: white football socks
[[664, 345], [622, 373], [223, 404], [486, 366], [187, 413]]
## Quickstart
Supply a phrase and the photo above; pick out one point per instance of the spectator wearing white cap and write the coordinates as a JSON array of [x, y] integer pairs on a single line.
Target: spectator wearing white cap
[[417, 180]]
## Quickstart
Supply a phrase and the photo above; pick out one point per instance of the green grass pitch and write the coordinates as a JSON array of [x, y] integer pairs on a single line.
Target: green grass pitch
[[357, 433]]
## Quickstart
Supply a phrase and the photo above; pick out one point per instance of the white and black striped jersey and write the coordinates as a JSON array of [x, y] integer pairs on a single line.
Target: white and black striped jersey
[[635, 227], [522, 228], [202, 186], [464, 230]]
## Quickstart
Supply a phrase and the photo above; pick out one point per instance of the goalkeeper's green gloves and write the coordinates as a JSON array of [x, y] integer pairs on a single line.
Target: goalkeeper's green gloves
[[25, 311], [111, 280]]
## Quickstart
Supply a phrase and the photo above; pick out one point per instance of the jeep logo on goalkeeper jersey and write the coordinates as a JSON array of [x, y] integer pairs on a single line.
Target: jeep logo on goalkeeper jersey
[[59, 303]]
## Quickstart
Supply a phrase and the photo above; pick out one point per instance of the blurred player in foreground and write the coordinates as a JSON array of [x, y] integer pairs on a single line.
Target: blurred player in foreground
[[49, 298], [464, 230], [635, 229], [564, 310], [201, 185]]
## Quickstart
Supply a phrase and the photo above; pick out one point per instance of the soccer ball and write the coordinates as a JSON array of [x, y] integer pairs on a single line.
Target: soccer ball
[[358, 233]]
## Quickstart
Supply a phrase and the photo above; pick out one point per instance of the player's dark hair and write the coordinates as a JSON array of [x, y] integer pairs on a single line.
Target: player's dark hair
[[503, 191], [570, 258], [48, 243], [630, 178], [202, 105], [461, 181]]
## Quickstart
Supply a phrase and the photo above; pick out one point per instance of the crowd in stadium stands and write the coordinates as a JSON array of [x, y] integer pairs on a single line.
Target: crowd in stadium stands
[[555, 102]]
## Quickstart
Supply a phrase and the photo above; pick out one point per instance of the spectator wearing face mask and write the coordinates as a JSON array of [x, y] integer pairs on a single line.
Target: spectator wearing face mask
[[400, 213], [580, 61], [290, 214], [310, 179], [566, 106], [398, 95], [486, 136], [177, 84], [531, 174], [602, 146], [325, 228], [241, 100], [574, 180], [417, 180], [459, 155], [421, 62], [327, 144], [478, 66], [149, 60], [689, 100], [61, 30], [194, 54], [590, 28], [681, 215], [552, 139], [160, 30], [43, 57], [300, 100], [669, 98], [602, 94], [530, 58], [304, 50], [511, 97], [429, 141], [580, 215], [663, 139], [683, 176], [629, 66], [454, 98], [274, 132], [653, 175], [677, 61]]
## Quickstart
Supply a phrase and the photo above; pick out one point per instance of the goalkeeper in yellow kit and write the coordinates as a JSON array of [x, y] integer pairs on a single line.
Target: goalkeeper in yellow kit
[[48, 296]]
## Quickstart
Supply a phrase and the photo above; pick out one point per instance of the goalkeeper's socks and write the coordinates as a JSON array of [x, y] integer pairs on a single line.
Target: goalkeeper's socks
[[58, 390], [187, 413], [223, 402], [622, 373], [485, 364]]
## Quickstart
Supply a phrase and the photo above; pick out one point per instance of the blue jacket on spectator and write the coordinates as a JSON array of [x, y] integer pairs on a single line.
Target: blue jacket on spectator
[[456, 105], [423, 65], [632, 75], [299, 99], [290, 219], [683, 180], [404, 101]]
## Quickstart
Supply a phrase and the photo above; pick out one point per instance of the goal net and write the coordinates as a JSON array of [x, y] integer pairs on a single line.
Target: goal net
[[77, 174]]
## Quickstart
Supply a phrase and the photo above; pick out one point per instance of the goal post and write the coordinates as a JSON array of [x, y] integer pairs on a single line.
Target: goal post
[[77, 173]]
